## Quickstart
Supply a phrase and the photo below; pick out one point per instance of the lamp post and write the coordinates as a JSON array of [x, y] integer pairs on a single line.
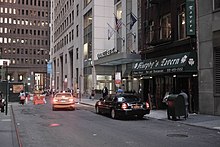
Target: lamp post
[[5, 63]]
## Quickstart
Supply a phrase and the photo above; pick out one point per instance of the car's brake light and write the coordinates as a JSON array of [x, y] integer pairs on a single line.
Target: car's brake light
[[124, 106], [147, 105], [55, 100]]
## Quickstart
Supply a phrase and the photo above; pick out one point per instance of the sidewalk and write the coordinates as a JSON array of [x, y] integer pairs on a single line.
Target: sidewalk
[[200, 120], [7, 130]]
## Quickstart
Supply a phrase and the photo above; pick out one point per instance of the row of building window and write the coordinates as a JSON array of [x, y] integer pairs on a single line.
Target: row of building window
[[61, 26], [23, 51], [24, 41], [38, 3], [8, 1], [68, 21], [66, 39], [24, 22], [4, 10], [23, 31], [28, 61], [34, 3]]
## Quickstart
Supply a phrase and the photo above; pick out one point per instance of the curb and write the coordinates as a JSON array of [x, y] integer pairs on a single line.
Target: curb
[[165, 119], [16, 128]]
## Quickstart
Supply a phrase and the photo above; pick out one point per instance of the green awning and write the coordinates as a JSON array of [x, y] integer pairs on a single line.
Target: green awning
[[183, 62]]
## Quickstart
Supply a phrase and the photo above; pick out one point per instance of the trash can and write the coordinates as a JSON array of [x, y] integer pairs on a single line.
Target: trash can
[[176, 106]]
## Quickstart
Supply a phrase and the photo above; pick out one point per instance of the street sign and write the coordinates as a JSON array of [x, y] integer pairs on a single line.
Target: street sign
[[190, 18]]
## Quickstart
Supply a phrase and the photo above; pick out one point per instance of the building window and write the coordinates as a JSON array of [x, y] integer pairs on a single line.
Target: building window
[[77, 30], [65, 58], [86, 2], [165, 27], [181, 23], [151, 27], [77, 10], [216, 4], [77, 53], [217, 70]]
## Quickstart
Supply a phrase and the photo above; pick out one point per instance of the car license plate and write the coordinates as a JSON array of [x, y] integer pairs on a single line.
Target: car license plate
[[136, 107], [63, 101]]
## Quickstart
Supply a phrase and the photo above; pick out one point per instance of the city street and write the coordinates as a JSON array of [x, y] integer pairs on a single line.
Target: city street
[[38, 126]]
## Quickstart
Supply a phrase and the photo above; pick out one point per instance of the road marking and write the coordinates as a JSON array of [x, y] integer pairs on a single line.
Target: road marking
[[6, 120]]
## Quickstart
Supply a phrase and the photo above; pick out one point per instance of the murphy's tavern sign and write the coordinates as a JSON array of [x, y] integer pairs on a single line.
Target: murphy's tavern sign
[[184, 62]]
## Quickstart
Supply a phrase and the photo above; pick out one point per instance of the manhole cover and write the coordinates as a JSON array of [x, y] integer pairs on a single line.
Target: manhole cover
[[177, 135]]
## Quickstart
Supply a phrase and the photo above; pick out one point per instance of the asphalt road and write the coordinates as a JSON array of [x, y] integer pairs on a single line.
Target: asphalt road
[[39, 126]]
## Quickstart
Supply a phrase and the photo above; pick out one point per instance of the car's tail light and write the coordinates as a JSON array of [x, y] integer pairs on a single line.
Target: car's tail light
[[55, 100], [124, 106], [71, 100], [147, 105]]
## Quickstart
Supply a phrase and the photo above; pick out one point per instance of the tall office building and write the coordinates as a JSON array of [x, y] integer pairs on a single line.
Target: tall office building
[[66, 44], [24, 40], [88, 50]]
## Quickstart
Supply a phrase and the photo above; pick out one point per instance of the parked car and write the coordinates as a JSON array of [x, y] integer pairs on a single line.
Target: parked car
[[63, 100], [122, 105]]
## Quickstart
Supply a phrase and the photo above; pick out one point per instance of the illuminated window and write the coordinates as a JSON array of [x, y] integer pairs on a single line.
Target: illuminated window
[[1, 20], [20, 77], [6, 10], [14, 11], [165, 27], [9, 20], [10, 10], [1, 10], [5, 40], [6, 30], [26, 22], [119, 11], [181, 23], [1, 30], [6, 20], [14, 21], [22, 22]]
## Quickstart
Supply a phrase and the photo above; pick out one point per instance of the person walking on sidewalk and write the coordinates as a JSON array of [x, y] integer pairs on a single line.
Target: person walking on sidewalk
[[104, 92]]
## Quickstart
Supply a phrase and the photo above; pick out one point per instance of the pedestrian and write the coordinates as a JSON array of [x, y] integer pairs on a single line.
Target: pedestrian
[[104, 92], [92, 94], [185, 96], [120, 91], [22, 97]]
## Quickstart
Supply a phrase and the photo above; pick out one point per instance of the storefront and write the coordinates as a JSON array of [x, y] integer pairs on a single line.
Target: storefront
[[109, 66], [171, 74]]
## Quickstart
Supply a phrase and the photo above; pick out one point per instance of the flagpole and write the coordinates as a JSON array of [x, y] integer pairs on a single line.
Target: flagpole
[[117, 33]]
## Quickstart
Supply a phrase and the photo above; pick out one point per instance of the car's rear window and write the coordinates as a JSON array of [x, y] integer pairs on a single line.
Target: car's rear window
[[63, 95], [128, 98]]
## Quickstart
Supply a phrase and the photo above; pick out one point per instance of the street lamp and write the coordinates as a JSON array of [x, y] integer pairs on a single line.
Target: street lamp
[[5, 63]]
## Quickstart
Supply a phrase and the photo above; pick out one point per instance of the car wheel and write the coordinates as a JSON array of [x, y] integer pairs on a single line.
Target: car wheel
[[97, 110], [113, 114], [140, 116]]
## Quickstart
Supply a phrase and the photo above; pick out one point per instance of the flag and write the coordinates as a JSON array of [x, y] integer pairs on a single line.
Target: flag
[[110, 32], [132, 20], [118, 23]]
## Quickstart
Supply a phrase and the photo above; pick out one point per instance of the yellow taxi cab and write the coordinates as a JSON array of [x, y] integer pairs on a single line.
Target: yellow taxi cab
[[63, 100]]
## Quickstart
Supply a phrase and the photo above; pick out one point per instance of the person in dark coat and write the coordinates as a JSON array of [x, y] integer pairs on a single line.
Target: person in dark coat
[[104, 92]]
